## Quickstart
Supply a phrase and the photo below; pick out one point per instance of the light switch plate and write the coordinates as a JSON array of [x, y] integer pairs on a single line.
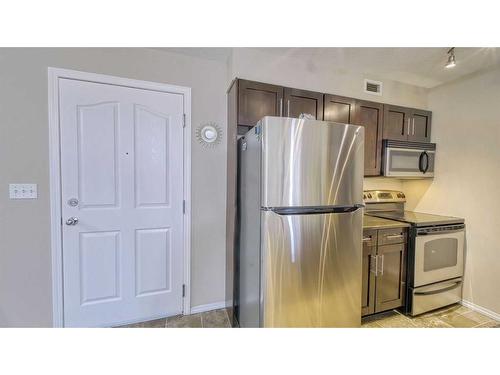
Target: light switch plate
[[23, 191]]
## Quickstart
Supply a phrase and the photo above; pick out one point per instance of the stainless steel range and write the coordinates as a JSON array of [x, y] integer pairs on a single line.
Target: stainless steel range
[[435, 251]]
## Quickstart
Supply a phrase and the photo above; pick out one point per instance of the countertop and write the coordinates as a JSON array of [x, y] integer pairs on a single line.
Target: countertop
[[372, 222]]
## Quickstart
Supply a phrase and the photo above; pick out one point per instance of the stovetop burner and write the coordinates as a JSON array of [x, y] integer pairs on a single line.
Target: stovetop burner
[[418, 219], [389, 204]]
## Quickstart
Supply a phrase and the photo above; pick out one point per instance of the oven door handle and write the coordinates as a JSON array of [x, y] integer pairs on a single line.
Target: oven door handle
[[430, 292]]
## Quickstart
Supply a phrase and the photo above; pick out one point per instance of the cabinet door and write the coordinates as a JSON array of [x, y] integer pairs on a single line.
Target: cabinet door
[[256, 100], [368, 283], [339, 109], [390, 288], [370, 115], [396, 122], [297, 102], [420, 130]]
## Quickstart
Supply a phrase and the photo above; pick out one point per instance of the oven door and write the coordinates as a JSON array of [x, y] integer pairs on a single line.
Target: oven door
[[408, 162], [439, 257]]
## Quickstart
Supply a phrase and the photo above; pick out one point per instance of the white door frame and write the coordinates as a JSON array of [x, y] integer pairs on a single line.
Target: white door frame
[[54, 74]]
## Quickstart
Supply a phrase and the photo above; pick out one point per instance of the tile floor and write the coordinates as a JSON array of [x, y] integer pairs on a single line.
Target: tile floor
[[209, 319], [455, 316]]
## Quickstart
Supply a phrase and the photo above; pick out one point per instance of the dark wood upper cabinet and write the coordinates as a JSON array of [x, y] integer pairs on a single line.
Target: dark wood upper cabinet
[[370, 116], [396, 122], [256, 100], [420, 126], [407, 124], [339, 109], [297, 102]]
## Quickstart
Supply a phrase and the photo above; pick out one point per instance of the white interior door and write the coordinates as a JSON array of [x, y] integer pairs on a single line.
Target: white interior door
[[122, 182]]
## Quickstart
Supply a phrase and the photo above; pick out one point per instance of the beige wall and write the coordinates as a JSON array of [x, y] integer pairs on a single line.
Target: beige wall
[[25, 259], [466, 128]]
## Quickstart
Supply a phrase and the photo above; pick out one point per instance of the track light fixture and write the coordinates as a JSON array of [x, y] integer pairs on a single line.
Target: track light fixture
[[451, 58]]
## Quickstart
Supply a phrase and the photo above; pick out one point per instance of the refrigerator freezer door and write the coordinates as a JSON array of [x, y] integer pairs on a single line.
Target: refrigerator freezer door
[[311, 163], [311, 270]]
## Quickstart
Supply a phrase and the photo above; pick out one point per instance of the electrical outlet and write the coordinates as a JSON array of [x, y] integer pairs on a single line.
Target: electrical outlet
[[23, 191]]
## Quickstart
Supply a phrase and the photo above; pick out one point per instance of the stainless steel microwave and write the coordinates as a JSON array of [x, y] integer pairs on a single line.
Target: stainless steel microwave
[[404, 159]]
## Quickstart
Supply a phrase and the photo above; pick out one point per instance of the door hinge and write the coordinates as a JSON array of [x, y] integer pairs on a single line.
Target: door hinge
[[184, 290], [183, 120], [183, 206]]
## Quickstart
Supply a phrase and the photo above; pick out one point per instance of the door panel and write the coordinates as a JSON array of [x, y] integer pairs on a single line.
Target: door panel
[[256, 100], [153, 261], [396, 122], [311, 270], [421, 126], [97, 147], [370, 115], [391, 277], [100, 266], [151, 138], [339, 109], [298, 102], [323, 164], [121, 149]]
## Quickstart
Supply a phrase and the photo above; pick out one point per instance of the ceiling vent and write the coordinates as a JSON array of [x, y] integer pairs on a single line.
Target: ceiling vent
[[373, 87]]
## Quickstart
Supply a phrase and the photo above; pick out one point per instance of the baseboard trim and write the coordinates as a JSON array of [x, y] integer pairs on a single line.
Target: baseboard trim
[[208, 307], [482, 310]]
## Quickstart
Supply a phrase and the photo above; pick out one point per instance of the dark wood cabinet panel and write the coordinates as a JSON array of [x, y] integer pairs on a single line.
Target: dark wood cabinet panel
[[368, 284], [297, 102], [339, 109], [396, 122], [390, 289], [420, 126], [256, 100], [370, 116], [407, 124]]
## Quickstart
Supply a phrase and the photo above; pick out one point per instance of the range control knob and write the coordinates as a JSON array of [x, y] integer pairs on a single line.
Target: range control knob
[[369, 196], [364, 196]]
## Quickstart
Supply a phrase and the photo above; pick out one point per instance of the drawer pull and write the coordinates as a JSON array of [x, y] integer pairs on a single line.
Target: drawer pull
[[394, 236]]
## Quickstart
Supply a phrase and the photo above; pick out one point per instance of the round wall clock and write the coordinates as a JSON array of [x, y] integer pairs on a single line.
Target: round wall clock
[[209, 135]]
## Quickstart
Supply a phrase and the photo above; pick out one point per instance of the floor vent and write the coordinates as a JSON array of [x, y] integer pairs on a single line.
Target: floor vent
[[373, 87]]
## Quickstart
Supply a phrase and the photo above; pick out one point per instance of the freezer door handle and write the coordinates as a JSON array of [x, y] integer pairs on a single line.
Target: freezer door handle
[[314, 210]]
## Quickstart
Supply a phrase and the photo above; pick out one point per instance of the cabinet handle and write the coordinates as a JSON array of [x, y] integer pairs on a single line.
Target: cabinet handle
[[373, 264], [281, 107], [413, 126], [408, 127], [380, 270], [367, 239], [393, 236], [288, 108]]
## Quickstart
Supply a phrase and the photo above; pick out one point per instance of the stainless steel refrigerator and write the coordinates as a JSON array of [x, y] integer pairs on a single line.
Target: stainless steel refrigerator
[[299, 245]]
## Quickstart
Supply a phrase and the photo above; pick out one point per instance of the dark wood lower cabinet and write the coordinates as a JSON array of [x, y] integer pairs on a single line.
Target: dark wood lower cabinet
[[368, 288], [384, 271]]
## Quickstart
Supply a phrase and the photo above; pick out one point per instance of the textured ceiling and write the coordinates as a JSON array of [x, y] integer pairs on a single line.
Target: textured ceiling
[[422, 67]]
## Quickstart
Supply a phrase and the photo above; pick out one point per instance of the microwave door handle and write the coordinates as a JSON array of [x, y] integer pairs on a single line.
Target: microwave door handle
[[426, 161], [420, 160]]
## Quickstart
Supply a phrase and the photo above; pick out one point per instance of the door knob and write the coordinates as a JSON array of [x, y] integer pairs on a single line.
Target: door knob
[[72, 221]]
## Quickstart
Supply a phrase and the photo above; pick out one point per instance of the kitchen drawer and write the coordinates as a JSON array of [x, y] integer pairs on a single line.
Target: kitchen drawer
[[391, 236], [369, 237]]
